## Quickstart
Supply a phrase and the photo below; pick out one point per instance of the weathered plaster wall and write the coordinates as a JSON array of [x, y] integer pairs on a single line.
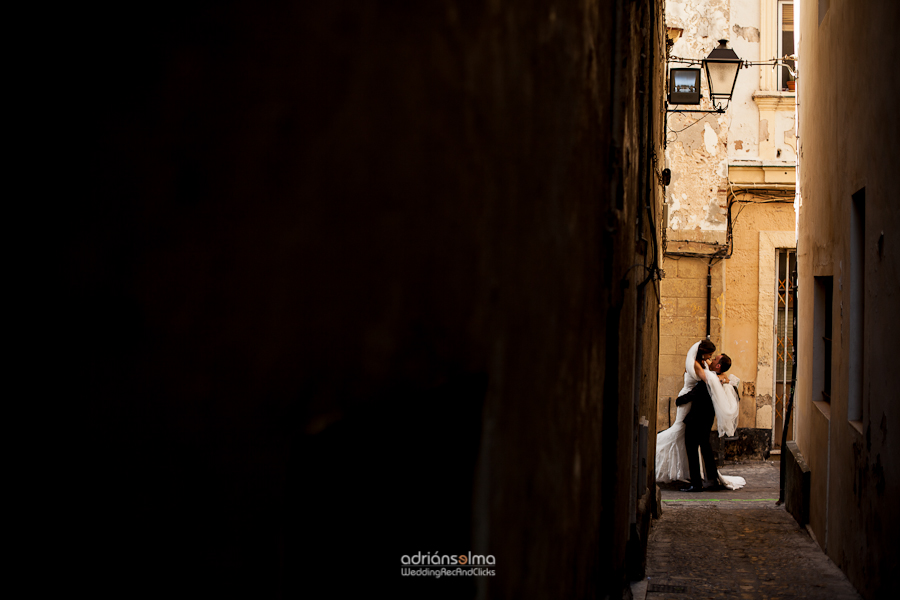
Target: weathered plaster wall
[[759, 125], [696, 148], [849, 142], [743, 134], [777, 131], [698, 159]]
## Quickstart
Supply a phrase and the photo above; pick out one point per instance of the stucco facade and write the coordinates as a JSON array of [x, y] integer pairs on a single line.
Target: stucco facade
[[848, 418], [742, 160]]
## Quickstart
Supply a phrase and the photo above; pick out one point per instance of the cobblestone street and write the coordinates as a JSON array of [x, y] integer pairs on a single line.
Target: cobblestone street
[[736, 545]]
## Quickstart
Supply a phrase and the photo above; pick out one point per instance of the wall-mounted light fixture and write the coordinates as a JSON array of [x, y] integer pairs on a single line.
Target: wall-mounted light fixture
[[721, 66], [684, 86]]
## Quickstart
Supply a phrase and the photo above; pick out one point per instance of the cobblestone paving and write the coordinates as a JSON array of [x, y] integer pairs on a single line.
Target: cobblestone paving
[[736, 545]]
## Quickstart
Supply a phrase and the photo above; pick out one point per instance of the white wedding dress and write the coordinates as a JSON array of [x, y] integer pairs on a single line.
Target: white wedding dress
[[671, 455]]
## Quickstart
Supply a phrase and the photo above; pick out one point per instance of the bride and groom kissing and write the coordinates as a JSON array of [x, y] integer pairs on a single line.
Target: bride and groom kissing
[[707, 394]]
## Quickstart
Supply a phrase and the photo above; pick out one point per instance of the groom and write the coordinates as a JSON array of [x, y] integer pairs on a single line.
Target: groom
[[698, 424]]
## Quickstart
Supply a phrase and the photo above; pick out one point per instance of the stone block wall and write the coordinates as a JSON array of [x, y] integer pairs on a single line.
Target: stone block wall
[[742, 317], [682, 324]]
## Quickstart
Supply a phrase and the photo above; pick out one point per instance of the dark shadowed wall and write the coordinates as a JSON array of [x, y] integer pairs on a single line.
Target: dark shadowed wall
[[357, 280]]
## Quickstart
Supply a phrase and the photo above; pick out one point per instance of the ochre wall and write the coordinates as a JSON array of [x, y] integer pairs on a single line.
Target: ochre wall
[[683, 323], [749, 326], [849, 127], [746, 331]]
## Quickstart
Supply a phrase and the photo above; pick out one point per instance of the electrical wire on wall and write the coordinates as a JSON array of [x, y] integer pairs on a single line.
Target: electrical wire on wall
[[672, 140], [757, 196]]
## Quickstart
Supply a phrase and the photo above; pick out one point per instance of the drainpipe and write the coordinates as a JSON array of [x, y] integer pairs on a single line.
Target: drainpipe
[[708, 295]]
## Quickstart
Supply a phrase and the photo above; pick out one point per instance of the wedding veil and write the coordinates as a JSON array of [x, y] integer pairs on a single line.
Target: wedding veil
[[724, 403], [691, 357]]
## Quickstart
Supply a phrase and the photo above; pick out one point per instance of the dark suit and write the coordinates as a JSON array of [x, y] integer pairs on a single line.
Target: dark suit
[[698, 424]]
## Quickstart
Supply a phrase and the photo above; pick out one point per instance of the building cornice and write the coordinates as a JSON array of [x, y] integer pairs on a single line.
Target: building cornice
[[775, 100], [761, 175], [761, 163]]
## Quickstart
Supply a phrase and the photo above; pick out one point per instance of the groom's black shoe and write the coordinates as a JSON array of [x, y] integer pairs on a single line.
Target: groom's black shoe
[[716, 487], [693, 488]]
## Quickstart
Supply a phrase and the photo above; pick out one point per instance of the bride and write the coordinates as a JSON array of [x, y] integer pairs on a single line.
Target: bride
[[671, 455]]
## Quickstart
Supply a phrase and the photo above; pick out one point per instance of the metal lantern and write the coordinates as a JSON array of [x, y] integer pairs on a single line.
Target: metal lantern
[[722, 67]]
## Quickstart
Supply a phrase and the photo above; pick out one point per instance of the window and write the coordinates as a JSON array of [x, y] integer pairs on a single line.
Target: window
[[823, 9], [823, 309], [776, 39], [785, 42]]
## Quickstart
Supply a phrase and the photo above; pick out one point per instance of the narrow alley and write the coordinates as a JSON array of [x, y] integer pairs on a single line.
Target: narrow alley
[[736, 544], [368, 298]]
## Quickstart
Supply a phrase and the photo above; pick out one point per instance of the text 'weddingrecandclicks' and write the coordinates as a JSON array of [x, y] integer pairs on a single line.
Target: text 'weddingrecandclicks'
[[447, 565]]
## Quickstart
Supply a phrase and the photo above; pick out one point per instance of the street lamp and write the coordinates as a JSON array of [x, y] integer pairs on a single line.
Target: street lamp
[[722, 66]]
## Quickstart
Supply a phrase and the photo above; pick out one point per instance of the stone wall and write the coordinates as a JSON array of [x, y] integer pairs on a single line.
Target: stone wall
[[683, 323], [743, 291]]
